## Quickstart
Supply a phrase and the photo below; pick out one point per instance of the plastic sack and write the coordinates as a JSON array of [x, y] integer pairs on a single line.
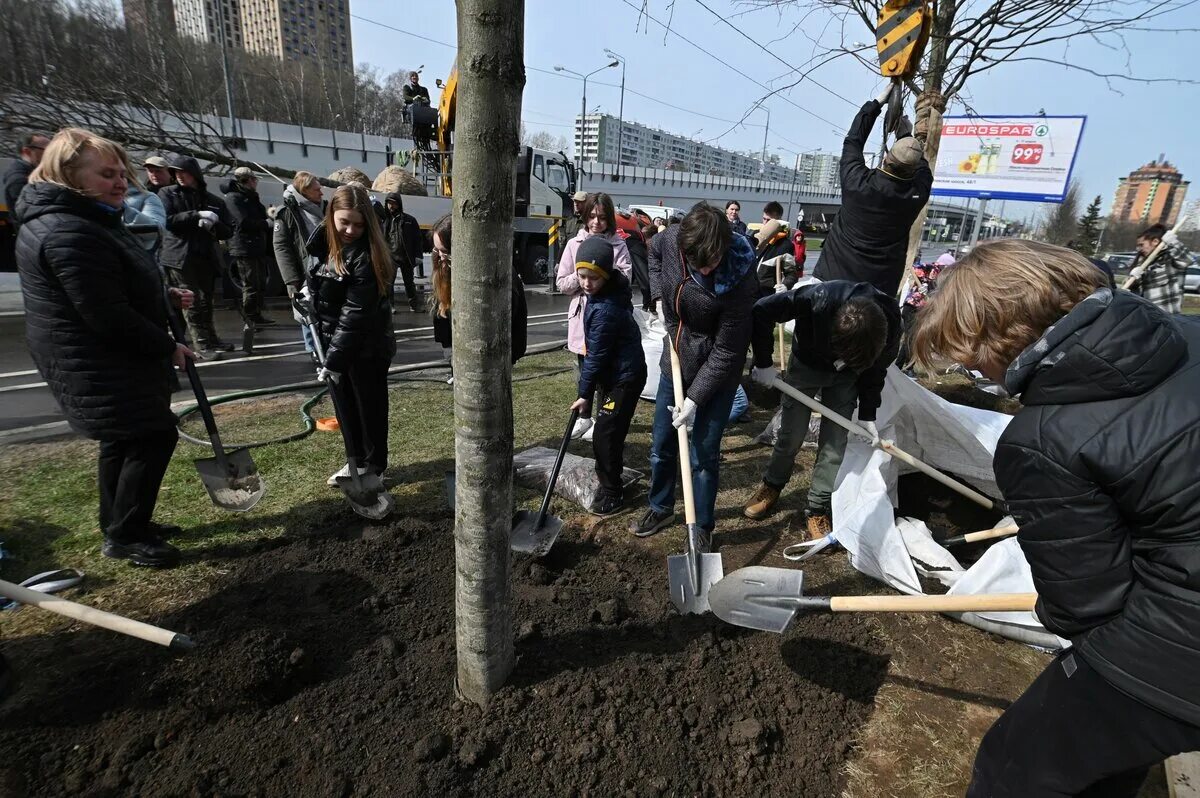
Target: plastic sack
[[577, 481], [771, 432]]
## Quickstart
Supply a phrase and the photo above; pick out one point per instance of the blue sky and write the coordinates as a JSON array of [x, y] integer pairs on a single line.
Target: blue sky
[[701, 79]]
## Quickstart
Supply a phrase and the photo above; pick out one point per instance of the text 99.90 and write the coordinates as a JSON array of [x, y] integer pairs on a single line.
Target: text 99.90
[[1027, 154]]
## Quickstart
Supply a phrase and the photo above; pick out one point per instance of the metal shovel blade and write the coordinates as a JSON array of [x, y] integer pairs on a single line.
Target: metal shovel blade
[[367, 496], [692, 573], [530, 538], [759, 597], [237, 486]]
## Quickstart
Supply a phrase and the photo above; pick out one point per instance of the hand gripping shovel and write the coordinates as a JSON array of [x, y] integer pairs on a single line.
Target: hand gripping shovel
[[690, 574], [365, 492], [535, 533], [230, 477], [765, 598]]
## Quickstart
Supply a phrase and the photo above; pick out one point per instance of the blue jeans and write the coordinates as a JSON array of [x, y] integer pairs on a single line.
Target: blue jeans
[[741, 403], [306, 337], [704, 440]]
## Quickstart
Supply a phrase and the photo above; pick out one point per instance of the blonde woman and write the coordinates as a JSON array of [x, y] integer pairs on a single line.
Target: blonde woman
[[350, 288], [96, 323], [1099, 470]]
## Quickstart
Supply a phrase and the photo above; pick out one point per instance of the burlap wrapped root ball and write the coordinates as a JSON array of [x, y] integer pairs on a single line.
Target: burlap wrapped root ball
[[395, 178], [348, 174]]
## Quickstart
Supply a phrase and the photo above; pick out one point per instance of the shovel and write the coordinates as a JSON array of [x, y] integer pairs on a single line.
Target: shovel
[[230, 477], [365, 492], [768, 599], [987, 534], [692, 573], [535, 533]]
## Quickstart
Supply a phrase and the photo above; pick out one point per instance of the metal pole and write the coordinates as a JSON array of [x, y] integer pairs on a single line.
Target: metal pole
[[978, 222], [233, 122], [792, 192], [582, 130], [621, 115], [766, 130]]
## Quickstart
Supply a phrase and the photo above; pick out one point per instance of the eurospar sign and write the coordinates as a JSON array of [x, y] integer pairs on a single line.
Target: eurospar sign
[[1009, 157]]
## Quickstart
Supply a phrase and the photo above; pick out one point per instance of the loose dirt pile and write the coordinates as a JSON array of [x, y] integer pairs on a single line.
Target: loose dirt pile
[[326, 668]]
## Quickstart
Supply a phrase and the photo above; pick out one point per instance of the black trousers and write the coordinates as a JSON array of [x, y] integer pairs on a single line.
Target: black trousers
[[130, 473], [1074, 734], [406, 272], [363, 409], [613, 418], [199, 277], [253, 273]]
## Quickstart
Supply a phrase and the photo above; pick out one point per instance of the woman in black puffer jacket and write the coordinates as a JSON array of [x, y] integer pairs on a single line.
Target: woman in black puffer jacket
[[96, 323], [351, 291]]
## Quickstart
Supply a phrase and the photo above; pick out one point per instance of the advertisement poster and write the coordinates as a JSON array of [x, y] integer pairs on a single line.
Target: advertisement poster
[[1008, 157]]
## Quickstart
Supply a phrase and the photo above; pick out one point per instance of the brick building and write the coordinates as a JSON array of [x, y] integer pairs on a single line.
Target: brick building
[[1151, 194]]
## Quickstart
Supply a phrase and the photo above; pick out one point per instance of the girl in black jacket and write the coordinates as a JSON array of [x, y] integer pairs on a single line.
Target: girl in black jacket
[[351, 292], [96, 324], [1099, 470]]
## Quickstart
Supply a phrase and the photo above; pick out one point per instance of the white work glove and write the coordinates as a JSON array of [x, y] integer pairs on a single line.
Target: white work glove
[[873, 431], [683, 415], [780, 288], [209, 215], [764, 376], [328, 377], [1170, 238], [885, 95], [206, 224]]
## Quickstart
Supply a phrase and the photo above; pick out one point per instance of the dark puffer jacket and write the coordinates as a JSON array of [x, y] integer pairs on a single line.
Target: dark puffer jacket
[[1099, 470], [613, 339], [248, 217], [353, 316], [869, 239], [443, 332], [402, 232], [95, 315], [185, 240], [715, 330], [814, 308]]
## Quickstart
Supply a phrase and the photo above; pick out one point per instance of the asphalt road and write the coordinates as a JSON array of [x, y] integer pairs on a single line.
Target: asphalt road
[[279, 357]]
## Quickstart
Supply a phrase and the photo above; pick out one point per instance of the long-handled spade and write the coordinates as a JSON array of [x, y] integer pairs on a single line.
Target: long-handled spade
[[987, 534], [230, 477], [534, 533], [765, 598], [692, 573]]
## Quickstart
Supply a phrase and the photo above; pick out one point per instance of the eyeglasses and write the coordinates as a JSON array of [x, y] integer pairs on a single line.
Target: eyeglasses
[[442, 255]]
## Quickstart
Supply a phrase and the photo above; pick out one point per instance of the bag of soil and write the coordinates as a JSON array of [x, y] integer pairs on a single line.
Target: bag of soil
[[577, 480]]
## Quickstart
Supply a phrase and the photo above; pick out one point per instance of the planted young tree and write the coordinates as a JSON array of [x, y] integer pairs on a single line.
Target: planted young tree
[[1089, 228], [491, 78]]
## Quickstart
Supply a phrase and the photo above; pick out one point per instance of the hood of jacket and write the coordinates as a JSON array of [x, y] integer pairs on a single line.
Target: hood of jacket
[[398, 198], [41, 199], [1109, 346], [231, 186], [192, 167], [303, 202], [738, 262]]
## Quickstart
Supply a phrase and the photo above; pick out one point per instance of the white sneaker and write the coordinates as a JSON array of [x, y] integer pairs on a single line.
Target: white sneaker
[[344, 471], [582, 425], [589, 433]]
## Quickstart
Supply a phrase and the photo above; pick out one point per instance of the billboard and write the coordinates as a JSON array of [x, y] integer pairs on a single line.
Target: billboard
[[1007, 157]]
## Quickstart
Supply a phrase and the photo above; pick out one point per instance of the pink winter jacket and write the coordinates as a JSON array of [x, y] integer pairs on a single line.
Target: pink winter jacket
[[569, 284]]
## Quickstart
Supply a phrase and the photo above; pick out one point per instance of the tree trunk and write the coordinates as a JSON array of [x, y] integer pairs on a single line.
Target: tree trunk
[[491, 79]]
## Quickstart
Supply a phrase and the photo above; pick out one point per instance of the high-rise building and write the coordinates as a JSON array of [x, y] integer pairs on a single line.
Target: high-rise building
[[149, 16], [1151, 194], [312, 30], [597, 137], [204, 19], [821, 171]]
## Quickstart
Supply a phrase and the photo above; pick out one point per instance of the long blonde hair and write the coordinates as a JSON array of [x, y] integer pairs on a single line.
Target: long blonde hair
[[356, 198], [998, 300], [61, 160]]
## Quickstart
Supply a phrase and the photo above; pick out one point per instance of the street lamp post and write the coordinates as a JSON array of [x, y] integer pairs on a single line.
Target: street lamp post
[[583, 110], [621, 111], [795, 174]]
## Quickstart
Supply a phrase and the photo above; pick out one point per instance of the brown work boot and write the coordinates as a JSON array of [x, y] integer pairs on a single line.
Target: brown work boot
[[819, 524], [762, 502]]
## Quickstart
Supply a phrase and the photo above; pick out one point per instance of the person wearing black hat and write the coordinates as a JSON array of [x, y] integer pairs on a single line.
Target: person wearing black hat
[[613, 363], [868, 242], [196, 220]]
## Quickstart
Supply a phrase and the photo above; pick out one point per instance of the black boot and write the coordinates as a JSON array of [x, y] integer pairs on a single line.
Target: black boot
[[150, 552]]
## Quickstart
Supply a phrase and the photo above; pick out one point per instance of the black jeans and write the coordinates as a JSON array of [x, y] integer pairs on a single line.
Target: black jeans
[[130, 473], [406, 272], [613, 418], [253, 273], [199, 277], [1074, 734], [363, 408]]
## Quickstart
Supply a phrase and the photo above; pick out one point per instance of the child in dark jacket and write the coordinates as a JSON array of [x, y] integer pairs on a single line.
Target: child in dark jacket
[[613, 363]]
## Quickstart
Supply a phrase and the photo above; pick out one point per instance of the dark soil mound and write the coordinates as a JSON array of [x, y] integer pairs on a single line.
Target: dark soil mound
[[326, 668]]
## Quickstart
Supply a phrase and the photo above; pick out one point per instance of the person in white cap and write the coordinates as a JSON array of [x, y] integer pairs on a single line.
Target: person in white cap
[[869, 238], [571, 224]]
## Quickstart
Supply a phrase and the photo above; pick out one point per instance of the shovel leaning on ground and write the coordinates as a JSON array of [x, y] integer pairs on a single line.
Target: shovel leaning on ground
[[890, 448], [692, 573], [230, 477], [768, 599], [534, 533], [365, 492], [106, 620]]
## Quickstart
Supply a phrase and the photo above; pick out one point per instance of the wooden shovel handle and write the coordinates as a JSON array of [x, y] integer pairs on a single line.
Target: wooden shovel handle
[[106, 620], [997, 602], [685, 453], [987, 534], [782, 352]]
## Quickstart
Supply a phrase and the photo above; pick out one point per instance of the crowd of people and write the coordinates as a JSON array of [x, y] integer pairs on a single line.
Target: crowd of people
[[1094, 468]]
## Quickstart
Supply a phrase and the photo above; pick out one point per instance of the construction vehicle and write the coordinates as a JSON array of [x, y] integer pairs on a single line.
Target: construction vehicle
[[545, 182]]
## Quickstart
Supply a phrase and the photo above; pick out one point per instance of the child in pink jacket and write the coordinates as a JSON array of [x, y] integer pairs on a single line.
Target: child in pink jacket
[[599, 219]]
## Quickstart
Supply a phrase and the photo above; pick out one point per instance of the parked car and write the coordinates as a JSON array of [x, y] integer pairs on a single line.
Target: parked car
[[1191, 280], [1120, 262]]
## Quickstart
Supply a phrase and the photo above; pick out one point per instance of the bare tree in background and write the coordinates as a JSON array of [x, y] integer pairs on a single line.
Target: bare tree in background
[[1061, 224], [970, 37], [491, 78], [542, 140]]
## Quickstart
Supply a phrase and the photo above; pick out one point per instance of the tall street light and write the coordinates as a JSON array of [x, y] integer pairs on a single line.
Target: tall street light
[[583, 111], [795, 173], [621, 112]]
